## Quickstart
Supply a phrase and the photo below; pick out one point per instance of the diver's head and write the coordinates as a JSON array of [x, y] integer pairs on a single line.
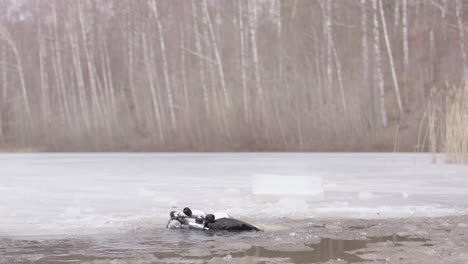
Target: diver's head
[[209, 218], [172, 214], [199, 220], [187, 211]]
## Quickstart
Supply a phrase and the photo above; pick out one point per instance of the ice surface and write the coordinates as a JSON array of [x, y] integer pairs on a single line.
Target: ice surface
[[47, 194], [271, 188]]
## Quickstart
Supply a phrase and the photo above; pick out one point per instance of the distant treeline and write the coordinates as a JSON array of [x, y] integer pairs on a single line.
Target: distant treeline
[[235, 75]]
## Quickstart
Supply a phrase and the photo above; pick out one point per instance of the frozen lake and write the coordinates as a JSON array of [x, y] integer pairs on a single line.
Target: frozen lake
[[67, 194]]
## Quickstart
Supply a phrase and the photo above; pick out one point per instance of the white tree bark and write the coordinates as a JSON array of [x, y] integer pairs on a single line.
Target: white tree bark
[[253, 39], [365, 45], [154, 98], [444, 10], [162, 44], [340, 79], [390, 59], [76, 56], [134, 107], [4, 34], [328, 41], [378, 76], [201, 64], [404, 22], [217, 53], [110, 78], [277, 11], [96, 111], [4, 85], [396, 21], [245, 92], [183, 70], [461, 34], [59, 69], [43, 77], [107, 85], [318, 67]]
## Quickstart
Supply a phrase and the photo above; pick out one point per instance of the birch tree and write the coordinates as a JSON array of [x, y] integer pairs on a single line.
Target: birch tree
[[396, 18], [390, 59], [201, 64], [95, 104], [243, 66], [183, 69], [58, 68], [365, 45], [340, 79], [378, 76], [3, 87], [253, 39], [162, 45], [134, 107], [77, 70], [461, 34], [154, 98], [329, 42], [43, 76], [5, 35], [404, 22], [219, 62]]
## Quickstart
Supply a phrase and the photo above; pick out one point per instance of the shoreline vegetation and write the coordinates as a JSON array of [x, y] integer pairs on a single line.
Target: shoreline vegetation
[[446, 122]]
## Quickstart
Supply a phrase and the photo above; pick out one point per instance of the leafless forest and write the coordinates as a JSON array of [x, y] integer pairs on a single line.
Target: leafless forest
[[233, 75]]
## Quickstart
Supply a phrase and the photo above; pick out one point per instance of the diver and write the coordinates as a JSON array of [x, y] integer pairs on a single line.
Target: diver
[[197, 219], [227, 224]]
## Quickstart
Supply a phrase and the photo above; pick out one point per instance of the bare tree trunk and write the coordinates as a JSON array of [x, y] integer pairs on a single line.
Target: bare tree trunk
[[19, 64], [396, 18], [59, 69], [461, 34], [328, 41], [217, 53], [134, 107], [183, 70], [154, 98], [318, 66], [111, 83], [82, 100], [3, 91], [198, 45], [340, 79], [44, 81], [95, 104], [368, 89], [154, 8], [107, 86], [365, 45], [378, 76], [279, 54], [405, 48], [245, 92], [390, 59], [444, 10], [253, 38]]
